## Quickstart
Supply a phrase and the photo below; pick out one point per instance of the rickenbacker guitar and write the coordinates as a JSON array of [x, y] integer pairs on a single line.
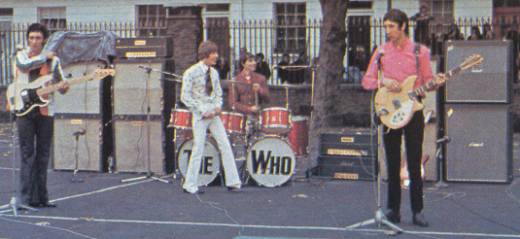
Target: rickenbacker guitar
[[395, 109], [22, 98]]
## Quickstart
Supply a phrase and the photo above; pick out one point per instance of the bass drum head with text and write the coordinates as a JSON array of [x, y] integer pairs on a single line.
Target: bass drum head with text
[[270, 161], [209, 167]]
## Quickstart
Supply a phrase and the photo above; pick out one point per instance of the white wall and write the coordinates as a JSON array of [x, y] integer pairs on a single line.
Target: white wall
[[473, 8]]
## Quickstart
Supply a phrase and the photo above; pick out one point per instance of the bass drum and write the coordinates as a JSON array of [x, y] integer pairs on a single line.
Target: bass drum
[[270, 161], [209, 167]]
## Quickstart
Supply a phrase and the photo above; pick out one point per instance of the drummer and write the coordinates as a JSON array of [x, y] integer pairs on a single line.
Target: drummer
[[250, 92]]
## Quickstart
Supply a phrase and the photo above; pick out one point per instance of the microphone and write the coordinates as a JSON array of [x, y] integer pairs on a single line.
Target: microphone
[[146, 68], [79, 132], [445, 139]]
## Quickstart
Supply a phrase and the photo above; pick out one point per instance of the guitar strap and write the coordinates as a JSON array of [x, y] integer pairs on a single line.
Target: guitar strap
[[417, 50], [379, 67]]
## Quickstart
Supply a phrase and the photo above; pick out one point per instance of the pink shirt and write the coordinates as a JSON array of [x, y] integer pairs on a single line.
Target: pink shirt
[[398, 64]]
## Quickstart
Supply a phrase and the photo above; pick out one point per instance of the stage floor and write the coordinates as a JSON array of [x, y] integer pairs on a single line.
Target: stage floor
[[103, 207]]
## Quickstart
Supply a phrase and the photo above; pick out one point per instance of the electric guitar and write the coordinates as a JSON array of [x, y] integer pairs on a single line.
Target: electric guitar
[[395, 109], [23, 97]]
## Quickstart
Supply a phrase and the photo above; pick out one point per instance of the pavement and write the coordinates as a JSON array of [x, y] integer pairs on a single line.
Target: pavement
[[103, 207]]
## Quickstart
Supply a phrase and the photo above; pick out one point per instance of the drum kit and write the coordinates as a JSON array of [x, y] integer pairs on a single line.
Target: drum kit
[[270, 141]]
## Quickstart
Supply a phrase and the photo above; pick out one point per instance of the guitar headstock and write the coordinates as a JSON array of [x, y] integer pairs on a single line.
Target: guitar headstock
[[99, 74], [471, 61]]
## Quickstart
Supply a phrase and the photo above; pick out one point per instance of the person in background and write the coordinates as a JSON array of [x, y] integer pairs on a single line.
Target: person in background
[[284, 73], [475, 34], [262, 67], [488, 33], [422, 25], [454, 33], [222, 67], [298, 74]]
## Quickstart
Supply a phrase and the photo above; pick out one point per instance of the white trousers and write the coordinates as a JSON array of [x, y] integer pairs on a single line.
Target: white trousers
[[200, 128]]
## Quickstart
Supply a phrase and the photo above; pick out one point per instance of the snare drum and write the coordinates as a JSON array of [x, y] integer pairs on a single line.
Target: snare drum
[[270, 161], [275, 120], [180, 119], [233, 122], [210, 164]]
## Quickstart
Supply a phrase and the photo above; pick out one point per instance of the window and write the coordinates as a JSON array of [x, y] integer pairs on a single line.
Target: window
[[151, 20], [359, 5], [6, 17], [217, 7], [442, 9], [53, 17], [290, 27]]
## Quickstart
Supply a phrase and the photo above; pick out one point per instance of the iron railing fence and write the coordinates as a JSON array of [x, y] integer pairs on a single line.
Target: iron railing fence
[[298, 40]]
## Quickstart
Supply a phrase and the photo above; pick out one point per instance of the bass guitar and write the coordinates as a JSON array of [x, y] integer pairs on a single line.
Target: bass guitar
[[395, 109], [23, 97]]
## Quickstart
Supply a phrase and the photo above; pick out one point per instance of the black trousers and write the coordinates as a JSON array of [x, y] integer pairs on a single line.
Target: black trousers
[[35, 138], [413, 135]]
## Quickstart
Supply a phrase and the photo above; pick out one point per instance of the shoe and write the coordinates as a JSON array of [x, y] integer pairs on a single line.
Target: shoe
[[196, 192], [48, 204], [233, 189], [419, 220], [393, 217]]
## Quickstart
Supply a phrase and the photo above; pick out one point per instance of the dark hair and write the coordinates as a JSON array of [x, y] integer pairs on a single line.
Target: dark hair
[[37, 27], [260, 55], [398, 16], [206, 48], [244, 58]]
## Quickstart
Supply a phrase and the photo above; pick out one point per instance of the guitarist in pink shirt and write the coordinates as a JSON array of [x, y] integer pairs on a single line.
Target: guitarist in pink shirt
[[395, 61]]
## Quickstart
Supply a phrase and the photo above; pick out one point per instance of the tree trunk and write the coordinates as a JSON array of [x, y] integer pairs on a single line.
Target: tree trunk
[[327, 95]]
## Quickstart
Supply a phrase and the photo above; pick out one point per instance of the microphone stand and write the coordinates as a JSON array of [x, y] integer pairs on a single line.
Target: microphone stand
[[14, 203], [439, 155], [76, 135], [149, 174], [379, 217]]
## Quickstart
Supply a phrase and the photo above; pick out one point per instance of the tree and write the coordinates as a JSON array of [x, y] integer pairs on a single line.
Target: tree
[[327, 94]]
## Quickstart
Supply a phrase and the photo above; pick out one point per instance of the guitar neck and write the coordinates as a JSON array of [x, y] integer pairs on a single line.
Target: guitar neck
[[421, 90], [56, 86]]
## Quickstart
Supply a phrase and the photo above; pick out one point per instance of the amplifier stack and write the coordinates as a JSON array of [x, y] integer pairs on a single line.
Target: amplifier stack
[[348, 155], [142, 102]]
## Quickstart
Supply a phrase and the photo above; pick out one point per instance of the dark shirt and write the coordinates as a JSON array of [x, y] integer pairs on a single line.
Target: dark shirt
[[283, 73], [264, 69]]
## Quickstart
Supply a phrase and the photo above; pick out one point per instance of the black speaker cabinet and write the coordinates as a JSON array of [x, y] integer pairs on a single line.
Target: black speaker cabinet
[[82, 98], [131, 144], [489, 82], [88, 147], [481, 143]]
